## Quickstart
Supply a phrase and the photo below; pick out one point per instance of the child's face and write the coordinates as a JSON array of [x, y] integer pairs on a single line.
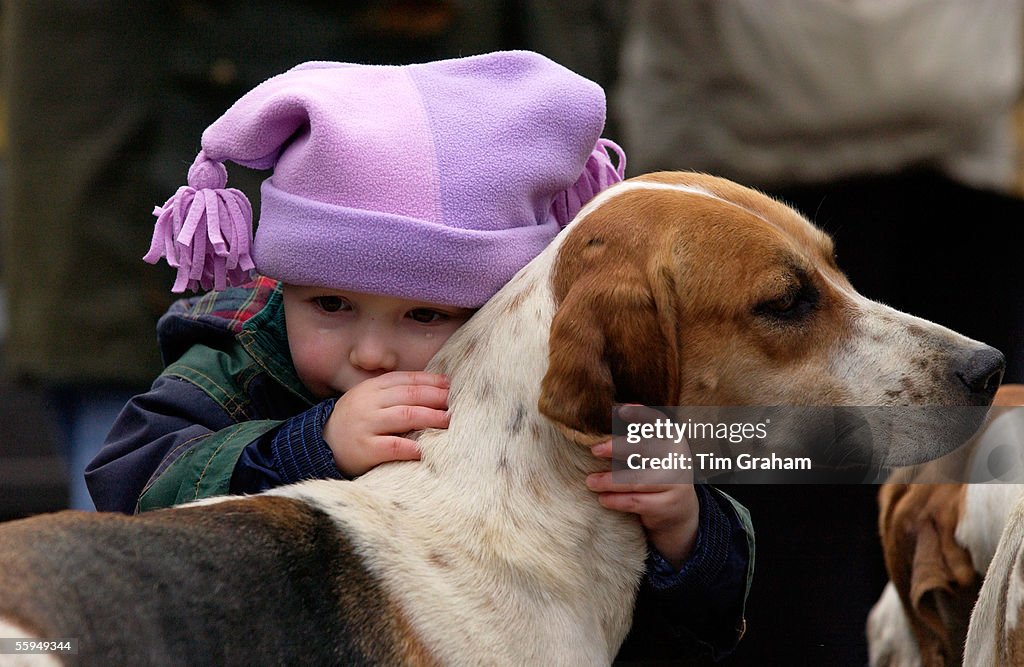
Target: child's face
[[338, 339]]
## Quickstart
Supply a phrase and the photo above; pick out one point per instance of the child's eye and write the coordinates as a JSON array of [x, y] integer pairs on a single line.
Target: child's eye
[[426, 316], [330, 304]]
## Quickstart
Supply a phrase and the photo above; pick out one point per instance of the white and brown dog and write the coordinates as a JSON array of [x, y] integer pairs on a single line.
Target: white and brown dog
[[939, 535], [669, 289]]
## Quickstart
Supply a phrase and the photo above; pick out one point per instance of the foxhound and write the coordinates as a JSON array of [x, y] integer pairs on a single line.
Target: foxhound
[[669, 289]]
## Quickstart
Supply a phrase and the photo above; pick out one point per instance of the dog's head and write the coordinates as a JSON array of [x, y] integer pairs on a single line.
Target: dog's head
[[684, 289]]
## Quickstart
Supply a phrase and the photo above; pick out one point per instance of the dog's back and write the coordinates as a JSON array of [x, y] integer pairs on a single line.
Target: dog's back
[[94, 577]]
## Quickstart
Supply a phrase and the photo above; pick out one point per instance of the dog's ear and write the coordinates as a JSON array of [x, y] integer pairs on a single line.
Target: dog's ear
[[613, 339]]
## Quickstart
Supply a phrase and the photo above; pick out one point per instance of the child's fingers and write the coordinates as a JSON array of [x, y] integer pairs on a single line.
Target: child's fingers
[[397, 378], [646, 499], [633, 503], [629, 478], [395, 448], [405, 418], [427, 396], [603, 482], [635, 413], [671, 529]]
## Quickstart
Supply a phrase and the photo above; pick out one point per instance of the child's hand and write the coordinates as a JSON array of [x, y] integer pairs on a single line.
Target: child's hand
[[366, 426], [669, 513]]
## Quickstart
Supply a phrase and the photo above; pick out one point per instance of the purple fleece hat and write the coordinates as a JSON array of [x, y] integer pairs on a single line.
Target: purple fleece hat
[[434, 182]]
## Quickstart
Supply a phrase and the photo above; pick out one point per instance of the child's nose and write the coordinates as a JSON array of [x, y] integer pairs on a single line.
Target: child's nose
[[371, 353]]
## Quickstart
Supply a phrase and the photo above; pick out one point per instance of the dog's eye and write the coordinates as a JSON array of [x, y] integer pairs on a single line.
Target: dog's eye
[[793, 305], [782, 305]]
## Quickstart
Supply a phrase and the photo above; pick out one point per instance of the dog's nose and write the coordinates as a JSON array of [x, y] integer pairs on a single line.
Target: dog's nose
[[983, 371]]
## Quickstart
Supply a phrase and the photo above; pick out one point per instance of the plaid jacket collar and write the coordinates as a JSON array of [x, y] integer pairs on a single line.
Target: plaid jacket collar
[[251, 316], [230, 308]]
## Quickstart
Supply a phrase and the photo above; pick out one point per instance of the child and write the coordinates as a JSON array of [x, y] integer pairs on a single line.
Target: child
[[402, 198]]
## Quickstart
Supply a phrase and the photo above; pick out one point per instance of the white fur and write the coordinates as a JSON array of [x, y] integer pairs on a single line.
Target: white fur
[[890, 641], [987, 507], [984, 641], [11, 631], [879, 354], [992, 530]]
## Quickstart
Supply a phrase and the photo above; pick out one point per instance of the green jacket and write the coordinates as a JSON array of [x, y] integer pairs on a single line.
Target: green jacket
[[251, 379]]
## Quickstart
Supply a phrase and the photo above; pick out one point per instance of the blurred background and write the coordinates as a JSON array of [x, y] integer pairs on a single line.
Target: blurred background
[[893, 124]]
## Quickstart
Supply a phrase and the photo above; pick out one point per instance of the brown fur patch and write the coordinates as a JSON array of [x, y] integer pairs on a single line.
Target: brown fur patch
[[657, 291]]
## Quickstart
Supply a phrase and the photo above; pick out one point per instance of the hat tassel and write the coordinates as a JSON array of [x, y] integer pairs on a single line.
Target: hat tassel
[[204, 231], [598, 174]]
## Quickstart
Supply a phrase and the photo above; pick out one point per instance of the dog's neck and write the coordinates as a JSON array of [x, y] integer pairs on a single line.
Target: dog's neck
[[511, 476], [497, 513], [495, 363]]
